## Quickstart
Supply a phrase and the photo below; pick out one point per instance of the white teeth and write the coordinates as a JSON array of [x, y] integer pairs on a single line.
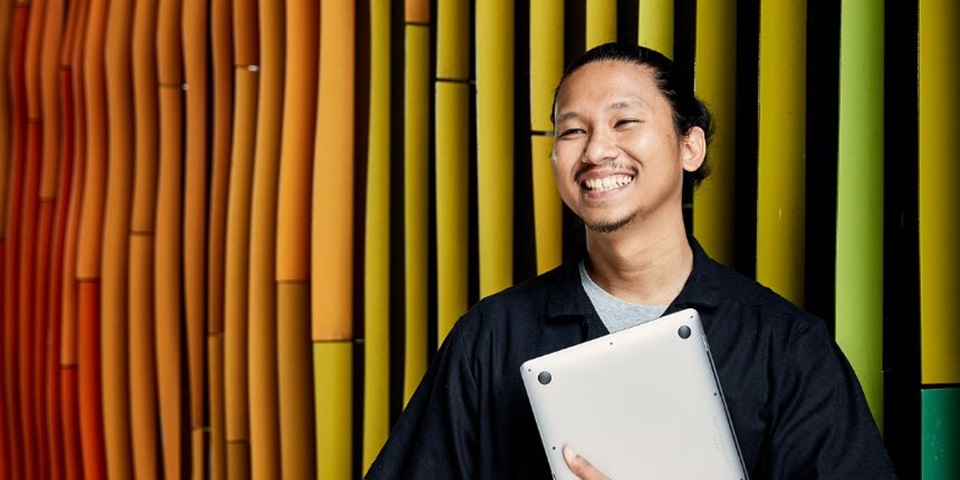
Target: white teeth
[[607, 183]]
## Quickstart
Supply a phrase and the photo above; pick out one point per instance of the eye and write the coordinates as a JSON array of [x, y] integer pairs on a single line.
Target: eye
[[625, 122], [570, 132]]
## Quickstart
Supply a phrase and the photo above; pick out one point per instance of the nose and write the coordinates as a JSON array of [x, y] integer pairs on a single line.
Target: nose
[[601, 147]]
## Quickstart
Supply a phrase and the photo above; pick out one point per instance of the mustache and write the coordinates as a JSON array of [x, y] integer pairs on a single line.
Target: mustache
[[586, 168]]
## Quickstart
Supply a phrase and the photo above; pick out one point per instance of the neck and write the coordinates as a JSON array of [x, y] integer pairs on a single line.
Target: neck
[[647, 266]]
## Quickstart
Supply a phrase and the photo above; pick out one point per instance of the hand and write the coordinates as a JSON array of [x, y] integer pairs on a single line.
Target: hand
[[580, 466]]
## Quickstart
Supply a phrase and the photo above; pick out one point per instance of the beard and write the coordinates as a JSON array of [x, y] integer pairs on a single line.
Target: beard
[[610, 226]]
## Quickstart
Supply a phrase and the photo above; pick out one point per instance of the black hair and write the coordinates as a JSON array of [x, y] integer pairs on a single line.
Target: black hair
[[688, 110]]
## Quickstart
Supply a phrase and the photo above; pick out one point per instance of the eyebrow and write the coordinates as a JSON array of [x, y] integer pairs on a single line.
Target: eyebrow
[[618, 105]]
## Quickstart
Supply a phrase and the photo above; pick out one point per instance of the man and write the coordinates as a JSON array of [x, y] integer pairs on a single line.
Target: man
[[627, 131]]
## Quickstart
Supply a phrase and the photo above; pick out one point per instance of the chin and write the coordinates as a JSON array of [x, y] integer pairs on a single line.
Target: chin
[[610, 226]]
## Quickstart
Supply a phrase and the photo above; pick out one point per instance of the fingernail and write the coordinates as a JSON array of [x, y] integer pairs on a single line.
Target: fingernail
[[568, 454]]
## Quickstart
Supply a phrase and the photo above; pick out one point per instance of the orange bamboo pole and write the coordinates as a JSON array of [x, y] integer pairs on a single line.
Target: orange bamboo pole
[[262, 301], [238, 236], [90, 244], [116, 241], [195, 31], [167, 256], [143, 366], [53, 24], [293, 242], [222, 60], [332, 242], [72, 54], [9, 432], [30, 345]]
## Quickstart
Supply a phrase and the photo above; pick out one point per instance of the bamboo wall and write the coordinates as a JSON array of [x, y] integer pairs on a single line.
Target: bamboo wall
[[233, 232]]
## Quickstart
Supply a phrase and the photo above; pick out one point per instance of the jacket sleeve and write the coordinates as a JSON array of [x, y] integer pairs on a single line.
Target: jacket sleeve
[[823, 429], [435, 436]]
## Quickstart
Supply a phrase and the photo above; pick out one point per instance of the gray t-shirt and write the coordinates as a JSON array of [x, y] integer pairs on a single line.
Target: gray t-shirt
[[615, 313]]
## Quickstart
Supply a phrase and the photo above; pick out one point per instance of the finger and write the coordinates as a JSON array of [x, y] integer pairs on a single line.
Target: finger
[[580, 466]]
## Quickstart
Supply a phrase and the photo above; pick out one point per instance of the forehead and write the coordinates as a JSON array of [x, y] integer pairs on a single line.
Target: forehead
[[607, 83]]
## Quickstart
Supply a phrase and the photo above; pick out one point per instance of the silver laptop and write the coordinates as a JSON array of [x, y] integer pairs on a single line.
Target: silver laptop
[[641, 403]]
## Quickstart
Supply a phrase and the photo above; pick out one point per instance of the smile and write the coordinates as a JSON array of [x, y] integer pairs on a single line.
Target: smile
[[606, 183]]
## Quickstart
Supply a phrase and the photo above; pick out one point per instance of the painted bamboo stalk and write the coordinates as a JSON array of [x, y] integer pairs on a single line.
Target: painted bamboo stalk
[[655, 24], [546, 68], [168, 300], [47, 257], [69, 345], [416, 211], [116, 241], [10, 431], [332, 242], [602, 22], [243, 63], [143, 356], [293, 242], [376, 275], [221, 43], [262, 294]]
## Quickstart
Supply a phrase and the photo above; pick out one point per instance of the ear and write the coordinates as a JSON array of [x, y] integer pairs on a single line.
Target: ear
[[693, 149]]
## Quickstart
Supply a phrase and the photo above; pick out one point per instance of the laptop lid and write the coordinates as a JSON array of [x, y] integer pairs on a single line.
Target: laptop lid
[[641, 403]]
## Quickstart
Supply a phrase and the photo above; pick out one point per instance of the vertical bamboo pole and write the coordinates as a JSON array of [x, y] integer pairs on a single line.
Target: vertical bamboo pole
[[546, 69], [244, 67], [332, 241], [29, 333], [376, 275], [10, 429], [416, 152], [655, 25], [90, 240], [116, 241], [452, 147], [601, 22], [781, 177], [143, 352], [221, 43], [495, 126], [69, 375], [262, 294], [195, 31], [167, 253], [716, 84], [297, 420], [47, 249]]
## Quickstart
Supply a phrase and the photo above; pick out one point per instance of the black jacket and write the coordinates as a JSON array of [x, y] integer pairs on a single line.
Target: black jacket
[[796, 405]]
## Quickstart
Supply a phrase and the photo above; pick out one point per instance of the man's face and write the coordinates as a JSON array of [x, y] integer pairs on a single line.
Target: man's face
[[617, 157]]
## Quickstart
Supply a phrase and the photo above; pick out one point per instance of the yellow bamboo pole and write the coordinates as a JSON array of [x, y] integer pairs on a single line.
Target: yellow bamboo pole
[[48, 264], [293, 242], [716, 84], [602, 22], [116, 241], [262, 301], [168, 300], [452, 147], [90, 240], [546, 68], [655, 24], [781, 177], [246, 76], [143, 365], [938, 178], [376, 245], [332, 242], [495, 126]]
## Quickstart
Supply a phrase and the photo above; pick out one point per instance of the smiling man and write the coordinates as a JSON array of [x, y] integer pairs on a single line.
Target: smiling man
[[628, 129]]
